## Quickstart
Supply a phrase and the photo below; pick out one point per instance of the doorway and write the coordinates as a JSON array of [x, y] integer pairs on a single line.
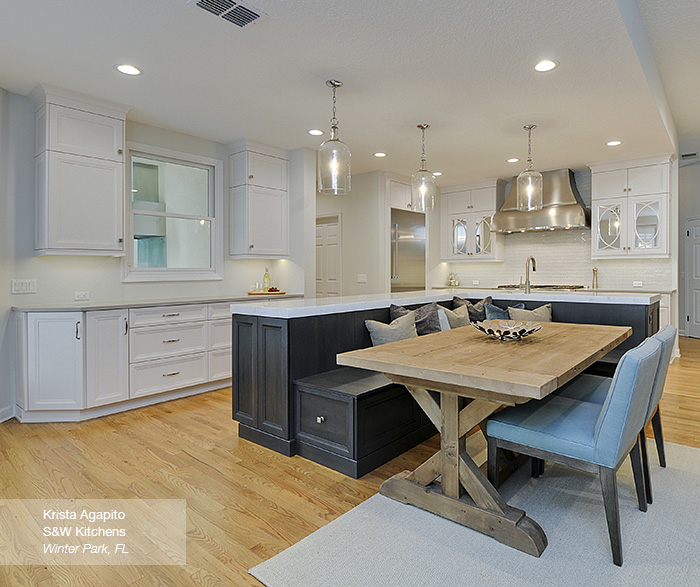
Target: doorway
[[692, 273], [328, 256]]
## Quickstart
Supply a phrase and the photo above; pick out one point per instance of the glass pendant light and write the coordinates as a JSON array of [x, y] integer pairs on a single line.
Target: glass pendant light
[[334, 158], [529, 181], [424, 187]]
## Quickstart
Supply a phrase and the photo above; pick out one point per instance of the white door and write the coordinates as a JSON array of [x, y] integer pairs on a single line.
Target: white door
[[692, 296], [328, 256], [107, 351]]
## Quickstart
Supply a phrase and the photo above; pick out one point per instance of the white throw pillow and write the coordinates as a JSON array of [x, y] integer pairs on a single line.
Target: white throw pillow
[[402, 327]]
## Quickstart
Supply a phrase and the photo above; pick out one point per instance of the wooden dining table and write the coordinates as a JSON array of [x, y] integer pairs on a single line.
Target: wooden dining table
[[489, 373]]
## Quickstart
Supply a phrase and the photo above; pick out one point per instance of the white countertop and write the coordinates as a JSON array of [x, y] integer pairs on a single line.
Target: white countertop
[[320, 306], [87, 306]]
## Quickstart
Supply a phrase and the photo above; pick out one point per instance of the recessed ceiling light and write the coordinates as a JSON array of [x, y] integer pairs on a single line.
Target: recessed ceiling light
[[613, 143], [380, 154], [316, 132], [437, 173], [513, 160], [128, 69], [546, 65]]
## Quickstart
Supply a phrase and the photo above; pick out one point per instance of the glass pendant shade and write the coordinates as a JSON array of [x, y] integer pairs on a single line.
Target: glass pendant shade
[[530, 191], [423, 191], [334, 166], [529, 182]]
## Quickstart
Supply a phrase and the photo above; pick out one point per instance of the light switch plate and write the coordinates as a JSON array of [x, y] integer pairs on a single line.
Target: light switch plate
[[81, 296], [361, 278], [23, 286], [475, 282], [637, 283]]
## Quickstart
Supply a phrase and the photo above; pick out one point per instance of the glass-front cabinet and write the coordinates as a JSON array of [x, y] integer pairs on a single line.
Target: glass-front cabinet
[[471, 236], [632, 226]]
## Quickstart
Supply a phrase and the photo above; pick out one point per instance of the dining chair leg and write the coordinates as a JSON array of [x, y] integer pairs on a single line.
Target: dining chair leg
[[492, 459], [608, 484], [535, 467], [645, 465], [638, 472], [658, 436]]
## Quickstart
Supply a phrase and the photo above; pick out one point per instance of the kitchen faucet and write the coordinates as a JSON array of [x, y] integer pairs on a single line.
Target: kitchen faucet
[[527, 272]]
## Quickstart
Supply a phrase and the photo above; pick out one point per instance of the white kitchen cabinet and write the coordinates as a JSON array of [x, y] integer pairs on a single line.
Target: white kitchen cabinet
[[630, 210], [79, 161], [258, 202], [400, 194], [50, 361], [151, 377], [466, 214], [107, 357]]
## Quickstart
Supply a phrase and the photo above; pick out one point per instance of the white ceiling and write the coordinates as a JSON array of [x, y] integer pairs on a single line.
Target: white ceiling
[[463, 66]]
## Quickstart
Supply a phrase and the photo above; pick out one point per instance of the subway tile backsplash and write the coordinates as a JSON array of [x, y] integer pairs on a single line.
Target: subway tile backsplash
[[563, 257]]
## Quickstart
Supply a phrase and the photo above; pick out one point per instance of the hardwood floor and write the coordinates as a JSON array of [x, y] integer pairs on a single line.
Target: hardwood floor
[[244, 503]]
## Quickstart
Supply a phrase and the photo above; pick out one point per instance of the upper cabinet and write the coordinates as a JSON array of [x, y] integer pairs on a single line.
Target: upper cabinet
[[259, 201], [400, 194], [79, 172], [465, 218], [630, 203]]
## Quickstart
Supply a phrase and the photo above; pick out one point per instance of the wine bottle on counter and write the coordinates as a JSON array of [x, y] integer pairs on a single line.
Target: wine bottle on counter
[[266, 280]]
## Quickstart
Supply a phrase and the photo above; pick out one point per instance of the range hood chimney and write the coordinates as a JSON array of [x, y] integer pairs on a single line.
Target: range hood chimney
[[562, 207]]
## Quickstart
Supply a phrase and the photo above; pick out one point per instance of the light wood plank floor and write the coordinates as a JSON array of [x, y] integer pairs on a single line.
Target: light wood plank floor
[[245, 503]]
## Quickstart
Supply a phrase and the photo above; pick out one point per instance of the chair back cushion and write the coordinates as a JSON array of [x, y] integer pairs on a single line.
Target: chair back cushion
[[624, 411], [667, 337]]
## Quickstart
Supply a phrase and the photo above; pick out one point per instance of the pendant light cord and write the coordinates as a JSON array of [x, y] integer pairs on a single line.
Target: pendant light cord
[[334, 120], [529, 128]]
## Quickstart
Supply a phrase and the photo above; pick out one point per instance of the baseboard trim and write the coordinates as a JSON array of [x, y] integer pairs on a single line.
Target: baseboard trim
[[7, 413], [37, 416]]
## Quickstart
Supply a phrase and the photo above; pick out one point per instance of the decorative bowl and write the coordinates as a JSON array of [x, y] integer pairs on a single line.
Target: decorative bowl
[[506, 329]]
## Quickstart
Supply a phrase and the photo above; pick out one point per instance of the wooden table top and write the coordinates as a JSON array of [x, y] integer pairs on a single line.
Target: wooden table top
[[467, 362]]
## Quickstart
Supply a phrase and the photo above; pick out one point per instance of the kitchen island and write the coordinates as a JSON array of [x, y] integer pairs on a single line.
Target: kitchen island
[[277, 343]]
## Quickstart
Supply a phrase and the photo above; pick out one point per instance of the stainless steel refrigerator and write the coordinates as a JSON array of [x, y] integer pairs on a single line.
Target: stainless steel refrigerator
[[407, 250]]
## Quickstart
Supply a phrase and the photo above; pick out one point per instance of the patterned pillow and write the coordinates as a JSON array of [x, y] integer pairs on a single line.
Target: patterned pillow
[[477, 313], [427, 319], [402, 327], [541, 314], [496, 313]]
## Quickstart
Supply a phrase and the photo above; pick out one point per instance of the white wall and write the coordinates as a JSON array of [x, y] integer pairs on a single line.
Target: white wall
[[58, 277], [363, 228], [689, 191]]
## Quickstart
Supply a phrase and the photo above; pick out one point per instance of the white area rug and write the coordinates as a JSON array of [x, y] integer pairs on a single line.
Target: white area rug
[[382, 543]]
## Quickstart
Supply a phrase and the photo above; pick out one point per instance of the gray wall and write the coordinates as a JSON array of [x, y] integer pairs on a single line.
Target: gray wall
[[689, 207]]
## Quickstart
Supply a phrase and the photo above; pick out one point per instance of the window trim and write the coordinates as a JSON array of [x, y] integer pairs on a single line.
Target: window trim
[[131, 274]]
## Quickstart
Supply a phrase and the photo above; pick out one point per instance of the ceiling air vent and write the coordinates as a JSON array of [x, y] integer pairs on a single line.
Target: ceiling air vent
[[686, 156], [239, 13]]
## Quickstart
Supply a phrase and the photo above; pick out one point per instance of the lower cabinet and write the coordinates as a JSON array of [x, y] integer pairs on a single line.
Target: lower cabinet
[[107, 357], [152, 377]]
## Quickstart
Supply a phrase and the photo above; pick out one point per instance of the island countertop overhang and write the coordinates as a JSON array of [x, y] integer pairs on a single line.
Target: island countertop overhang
[[300, 308]]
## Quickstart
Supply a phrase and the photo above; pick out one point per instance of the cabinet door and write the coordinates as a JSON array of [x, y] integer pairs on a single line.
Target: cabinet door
[[483, 200], [609, 184], [483, 238], [609, 225], [400, 195], [273, 377], [266, 171], [267, 222], [648, 221], [84, 204], [244, 366], [459, 236], [107, 353], [650, 179], [84, 133], [458, 202], [55, 361]]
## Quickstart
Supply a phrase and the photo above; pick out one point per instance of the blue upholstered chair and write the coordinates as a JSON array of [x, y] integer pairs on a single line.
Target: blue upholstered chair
[[594, 437], [593, 388]]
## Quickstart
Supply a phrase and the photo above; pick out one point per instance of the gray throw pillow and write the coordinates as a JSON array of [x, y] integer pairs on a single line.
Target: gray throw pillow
[[402, 327], [477, 312], [458, 317], [541, 314], [427, 319], [496, 313]]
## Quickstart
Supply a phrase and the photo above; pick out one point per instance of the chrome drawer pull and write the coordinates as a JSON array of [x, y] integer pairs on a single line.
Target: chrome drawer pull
[[171, 315], [320, 419], [171, 374], [172, 340]]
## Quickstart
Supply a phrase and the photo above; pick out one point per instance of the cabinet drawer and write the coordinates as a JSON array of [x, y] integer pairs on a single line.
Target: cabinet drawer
[[167, 374], [325, 420], [166, 314], [166, 341], [219, 310], [220, 364], [220, 334]]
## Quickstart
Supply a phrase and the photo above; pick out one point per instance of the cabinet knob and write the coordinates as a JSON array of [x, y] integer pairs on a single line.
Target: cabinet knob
[[320, 419], [121, 240], [120, 151], [250, 246], [251, 176], [409, 206]]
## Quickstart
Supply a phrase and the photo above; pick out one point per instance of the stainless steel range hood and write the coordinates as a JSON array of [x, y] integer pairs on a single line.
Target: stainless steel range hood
[[562, 207]]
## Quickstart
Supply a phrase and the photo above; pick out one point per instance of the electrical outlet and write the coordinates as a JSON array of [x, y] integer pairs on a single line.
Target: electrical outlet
[[361, 278], [637, 283], [23, 286], [81, 296], [475, 282]]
